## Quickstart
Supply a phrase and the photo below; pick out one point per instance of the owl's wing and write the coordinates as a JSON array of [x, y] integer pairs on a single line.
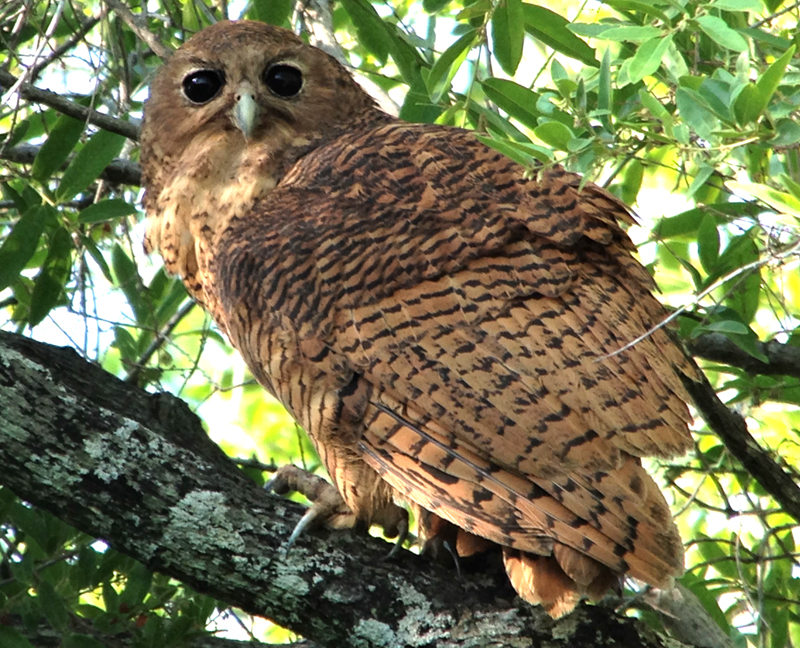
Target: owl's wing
[[466, 317]]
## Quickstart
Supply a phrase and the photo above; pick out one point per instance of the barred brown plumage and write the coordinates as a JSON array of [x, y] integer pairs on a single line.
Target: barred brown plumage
[[438, 321]]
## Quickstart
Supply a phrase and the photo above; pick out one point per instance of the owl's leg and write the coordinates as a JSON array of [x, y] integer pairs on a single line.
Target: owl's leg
[[330, 509], [327, 506]]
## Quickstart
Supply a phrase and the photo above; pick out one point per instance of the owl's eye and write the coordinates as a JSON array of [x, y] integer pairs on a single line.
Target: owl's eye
[[202, 86], [284, 80]]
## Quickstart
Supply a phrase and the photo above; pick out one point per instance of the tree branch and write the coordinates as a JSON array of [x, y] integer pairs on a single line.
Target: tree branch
[[732, 430], [67, 107], [138, 470], [118, 172], [783, 359]]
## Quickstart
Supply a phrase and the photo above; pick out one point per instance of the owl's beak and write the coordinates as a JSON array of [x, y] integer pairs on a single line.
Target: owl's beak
[[246, 110]]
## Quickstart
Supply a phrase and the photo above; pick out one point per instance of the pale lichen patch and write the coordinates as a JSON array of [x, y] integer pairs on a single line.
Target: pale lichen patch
[[369, 632], [206, 510], [110, 462]]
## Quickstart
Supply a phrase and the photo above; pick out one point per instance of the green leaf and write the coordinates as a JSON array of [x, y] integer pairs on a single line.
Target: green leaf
[[791, 185], [684, 226], [52, 606], [700, 179], [91, 248], [552, 29], [766, 37], [787, 132], [589, 30], [631, 181], [110, 598], [674, 63], [779, 200], [508, 34], [708, 243], [605, 92], [137, 586], [49, 284], [747, 105], [738, 5], [776, 616], [727, 326], [695, 112], [717, 95], [519, 102], [20, 245], [648, 58], [129, 281], [768, 82], [106, 210], [190, 16], [417, 106], [81, 641], [743, 296], [125, 344], [446, 66], [495, 122], [370, 27], [718, 31], [655, 107], [54, 152], [91, 160], [273, 12], [406, 57], [527, 155], [10, 638], [554, 134], [635, 6], [707, 598], [432, 6], [631, 33]]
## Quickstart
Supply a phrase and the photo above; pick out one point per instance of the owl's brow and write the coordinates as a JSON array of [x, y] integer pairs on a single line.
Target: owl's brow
[[199, 62]]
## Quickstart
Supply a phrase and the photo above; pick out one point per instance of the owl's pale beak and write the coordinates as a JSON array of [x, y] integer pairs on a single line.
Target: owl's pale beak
[[246, 110]]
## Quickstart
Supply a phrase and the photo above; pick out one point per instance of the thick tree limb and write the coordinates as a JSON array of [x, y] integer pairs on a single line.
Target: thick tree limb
[[782, 359], [137, 470]]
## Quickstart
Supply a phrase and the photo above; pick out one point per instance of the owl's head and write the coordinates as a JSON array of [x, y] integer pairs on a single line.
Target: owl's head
[[244, 84]]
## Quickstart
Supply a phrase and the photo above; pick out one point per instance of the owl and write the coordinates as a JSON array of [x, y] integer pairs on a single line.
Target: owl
[[439, 319]]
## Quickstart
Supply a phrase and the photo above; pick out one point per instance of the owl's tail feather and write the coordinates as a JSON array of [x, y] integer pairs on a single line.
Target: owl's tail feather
[[557, 582]]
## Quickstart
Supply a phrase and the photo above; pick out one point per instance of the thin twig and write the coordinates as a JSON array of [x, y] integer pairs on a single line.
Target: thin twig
[[159, 340], [138, 27], [65, 47], [758, 23], [789, 251]]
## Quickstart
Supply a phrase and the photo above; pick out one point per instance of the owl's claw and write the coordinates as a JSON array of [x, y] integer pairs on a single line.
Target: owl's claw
[[402, 536], [328, 507]]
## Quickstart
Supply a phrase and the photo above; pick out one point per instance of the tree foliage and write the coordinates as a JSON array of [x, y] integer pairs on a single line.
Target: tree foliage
[[685, 109]]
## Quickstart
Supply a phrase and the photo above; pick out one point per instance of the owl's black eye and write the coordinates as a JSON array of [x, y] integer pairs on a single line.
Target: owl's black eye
[[202, 86], [284, 80]]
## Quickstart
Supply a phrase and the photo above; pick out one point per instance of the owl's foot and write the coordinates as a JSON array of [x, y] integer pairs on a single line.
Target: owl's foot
[[327, 506]]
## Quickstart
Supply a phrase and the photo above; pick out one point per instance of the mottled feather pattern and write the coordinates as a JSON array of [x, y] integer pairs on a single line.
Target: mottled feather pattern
[[443, 324]]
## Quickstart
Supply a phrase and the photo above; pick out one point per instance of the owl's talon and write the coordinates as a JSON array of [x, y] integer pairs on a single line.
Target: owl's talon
[[402, 536], [451, 550], [308, 519]]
